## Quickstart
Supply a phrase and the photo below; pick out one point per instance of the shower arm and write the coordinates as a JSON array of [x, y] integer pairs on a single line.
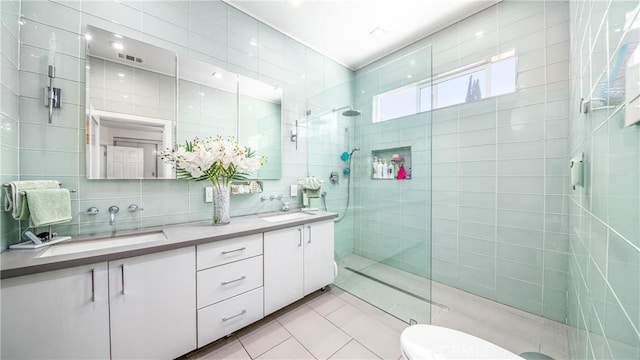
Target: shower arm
[[332, 110]]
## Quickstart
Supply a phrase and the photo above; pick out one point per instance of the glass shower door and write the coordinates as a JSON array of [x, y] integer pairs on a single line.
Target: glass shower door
[[383, 246]]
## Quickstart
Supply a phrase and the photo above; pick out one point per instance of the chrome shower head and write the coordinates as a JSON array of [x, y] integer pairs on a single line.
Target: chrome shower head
[[351, 112]]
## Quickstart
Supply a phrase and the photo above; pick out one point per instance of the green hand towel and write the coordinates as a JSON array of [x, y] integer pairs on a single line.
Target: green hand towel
[[20, 208], [48, 207]]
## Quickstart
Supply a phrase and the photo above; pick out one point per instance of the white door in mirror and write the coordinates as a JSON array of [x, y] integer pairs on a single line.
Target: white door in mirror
[[208, 194]]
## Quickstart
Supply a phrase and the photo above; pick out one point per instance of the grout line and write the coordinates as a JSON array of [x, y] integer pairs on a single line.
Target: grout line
[[291, 337], [605, 224]]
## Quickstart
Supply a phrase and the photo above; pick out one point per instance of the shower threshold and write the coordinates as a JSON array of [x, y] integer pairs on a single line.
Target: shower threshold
[[409, 293]]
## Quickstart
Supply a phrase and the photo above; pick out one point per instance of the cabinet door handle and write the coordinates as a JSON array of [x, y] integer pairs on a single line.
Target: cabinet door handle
[[232, 251], [309, 227], [93, 285], [122, 274], [234, 316], [232, 281], [299, 237]]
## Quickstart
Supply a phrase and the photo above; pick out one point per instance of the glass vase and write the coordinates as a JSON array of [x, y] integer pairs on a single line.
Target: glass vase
[[221, 191]]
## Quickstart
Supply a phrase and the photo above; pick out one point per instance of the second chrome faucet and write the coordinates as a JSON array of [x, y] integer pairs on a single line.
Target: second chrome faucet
[[113, 210]]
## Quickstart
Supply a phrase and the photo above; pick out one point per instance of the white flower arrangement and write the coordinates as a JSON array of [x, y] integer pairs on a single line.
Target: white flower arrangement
[[213, 158]]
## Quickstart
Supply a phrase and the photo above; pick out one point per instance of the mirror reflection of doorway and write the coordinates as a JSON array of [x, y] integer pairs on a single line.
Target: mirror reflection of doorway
[[150, 168], [124, 162]]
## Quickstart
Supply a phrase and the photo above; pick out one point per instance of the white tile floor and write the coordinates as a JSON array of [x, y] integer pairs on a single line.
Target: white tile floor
[[324, 325], [335, 324]]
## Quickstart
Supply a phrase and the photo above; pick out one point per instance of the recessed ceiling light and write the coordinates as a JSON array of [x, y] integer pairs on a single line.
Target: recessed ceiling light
[[409, 76], [120, 74], [479, 34], [201, 93], [88, 37], [216, 75], [253, 42], [118, 36], [412, 62], [377, 32]]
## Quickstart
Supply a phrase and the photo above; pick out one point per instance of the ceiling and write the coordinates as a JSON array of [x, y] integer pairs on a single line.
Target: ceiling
[[345, 30]]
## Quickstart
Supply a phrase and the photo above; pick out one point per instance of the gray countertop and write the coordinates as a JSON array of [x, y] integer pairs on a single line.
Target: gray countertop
[[23, 262]]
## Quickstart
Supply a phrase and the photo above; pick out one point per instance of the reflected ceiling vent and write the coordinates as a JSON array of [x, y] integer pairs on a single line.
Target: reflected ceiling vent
[[130, 58]]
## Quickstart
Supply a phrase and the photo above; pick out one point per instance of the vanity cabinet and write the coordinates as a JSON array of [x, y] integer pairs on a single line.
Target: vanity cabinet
[[162, 304], [138, 307], [229, 282], [152, 302], [61, 314], [297, 262]]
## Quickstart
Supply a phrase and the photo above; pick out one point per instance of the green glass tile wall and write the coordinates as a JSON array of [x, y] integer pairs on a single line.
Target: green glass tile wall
[[209, 31], [9, 120], [603, 308], [499, 165]]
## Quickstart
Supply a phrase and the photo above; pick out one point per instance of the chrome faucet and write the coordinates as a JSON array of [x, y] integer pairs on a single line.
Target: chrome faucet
[[285, 204], [113, 210]]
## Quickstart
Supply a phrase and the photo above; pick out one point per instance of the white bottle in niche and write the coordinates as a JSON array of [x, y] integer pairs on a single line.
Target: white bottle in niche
[[374, 172], [380, 168]]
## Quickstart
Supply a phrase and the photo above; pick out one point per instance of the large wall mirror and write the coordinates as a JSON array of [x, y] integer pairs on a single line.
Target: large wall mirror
[[142, 99], [214, 101], [131, 107]]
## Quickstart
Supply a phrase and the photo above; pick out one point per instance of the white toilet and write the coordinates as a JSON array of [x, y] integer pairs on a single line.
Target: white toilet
[[437, 342]]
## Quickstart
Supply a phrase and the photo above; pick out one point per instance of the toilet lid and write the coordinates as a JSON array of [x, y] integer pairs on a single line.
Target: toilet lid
[[437, 342]]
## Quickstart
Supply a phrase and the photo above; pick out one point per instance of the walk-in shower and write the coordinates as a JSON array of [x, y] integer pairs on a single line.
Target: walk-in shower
[[382, 245]]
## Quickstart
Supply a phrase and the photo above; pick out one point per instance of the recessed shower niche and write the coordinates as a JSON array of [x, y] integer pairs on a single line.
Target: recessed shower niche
[[391, 164]]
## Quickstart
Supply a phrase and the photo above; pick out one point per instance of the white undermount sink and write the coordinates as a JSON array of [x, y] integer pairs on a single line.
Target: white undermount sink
[[107, 243], [289, 216]]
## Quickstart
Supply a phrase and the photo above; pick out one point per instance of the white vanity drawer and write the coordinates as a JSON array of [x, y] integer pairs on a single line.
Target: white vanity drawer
[[223, 318], [226, 251], [222, 282]]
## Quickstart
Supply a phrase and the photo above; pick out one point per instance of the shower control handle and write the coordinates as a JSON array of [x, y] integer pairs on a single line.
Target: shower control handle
[[333, 178]]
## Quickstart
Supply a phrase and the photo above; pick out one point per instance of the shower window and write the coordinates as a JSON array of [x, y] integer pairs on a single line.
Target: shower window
[[487, 78], [398, 103]]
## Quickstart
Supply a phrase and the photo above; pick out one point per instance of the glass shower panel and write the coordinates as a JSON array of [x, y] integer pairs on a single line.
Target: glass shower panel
[[383, 246]]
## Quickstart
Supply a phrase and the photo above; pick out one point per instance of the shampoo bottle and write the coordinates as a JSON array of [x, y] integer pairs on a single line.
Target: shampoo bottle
[[380, 170], [374, 171]]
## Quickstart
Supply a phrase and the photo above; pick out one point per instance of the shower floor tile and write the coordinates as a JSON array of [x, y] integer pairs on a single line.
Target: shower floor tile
[[511, 328]]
